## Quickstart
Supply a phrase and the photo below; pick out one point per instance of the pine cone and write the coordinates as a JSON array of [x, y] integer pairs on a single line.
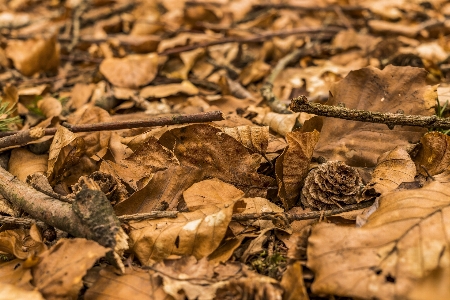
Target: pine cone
[[330, 185]]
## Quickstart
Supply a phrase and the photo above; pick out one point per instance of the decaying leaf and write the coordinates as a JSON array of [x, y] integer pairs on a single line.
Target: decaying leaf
[[254, 138], [131, 71], [62, 267], [196, 233], [292, 166], [393, 168], [20, 243], [15, 273], [34, 55], [434, 154], [371, 89], [293, 283], [35, 163], [404, 240], [218, 155], [141, 284], [160, 91]]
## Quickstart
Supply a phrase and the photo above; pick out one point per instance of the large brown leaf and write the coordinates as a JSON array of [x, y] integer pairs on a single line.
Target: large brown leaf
[[218, 155], [404, 240], [389, 90]]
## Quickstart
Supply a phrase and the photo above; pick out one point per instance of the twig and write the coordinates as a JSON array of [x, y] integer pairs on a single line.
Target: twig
[[301, 104], [23, 137], [27, 222], [305, 216], [346, 8], [267, 88], [148, 216], [256, 38]]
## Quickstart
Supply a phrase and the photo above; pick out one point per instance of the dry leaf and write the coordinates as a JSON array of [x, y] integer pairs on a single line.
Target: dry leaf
[[34, 163], [10, 291], [34, 55], [388, 90], [255, 138], [401, 242], [60, 271], [50, 107], [210, 192], [393, 168], [13, 272], [164, 90], [196, 233], [434, 286], [141, 284], [19, 243], [81, 93], [292, 166], [131, 71], [293, 284], [218, 155], [97, 140], [163, 191], [281, 123], [434, 154]]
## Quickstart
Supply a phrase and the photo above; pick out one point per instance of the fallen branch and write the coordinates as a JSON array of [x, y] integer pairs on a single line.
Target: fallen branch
[[301, 104], [26, 136], [305, 216]]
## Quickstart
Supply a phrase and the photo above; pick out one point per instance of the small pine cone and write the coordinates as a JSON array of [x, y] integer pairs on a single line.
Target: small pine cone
[[330, 185]]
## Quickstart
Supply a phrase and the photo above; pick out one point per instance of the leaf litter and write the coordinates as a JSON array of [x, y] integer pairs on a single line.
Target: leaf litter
[[255, 201]]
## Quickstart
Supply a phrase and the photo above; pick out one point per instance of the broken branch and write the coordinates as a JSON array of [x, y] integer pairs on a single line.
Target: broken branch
[[26, 136], [301, 104]]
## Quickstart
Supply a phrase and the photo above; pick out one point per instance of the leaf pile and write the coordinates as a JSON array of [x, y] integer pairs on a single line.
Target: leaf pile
[[245, 199]]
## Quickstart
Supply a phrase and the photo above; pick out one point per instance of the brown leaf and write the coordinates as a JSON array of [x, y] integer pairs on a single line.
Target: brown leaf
[[163, 191], [292, 166], [388, 90], [131, 71], [62, 267], [293, 284], [10, 291], [210, 192], [34, 55], [196, 233], [435, 285], [14, 272], [434, 154], [164, 90], [19, 243], [255, 138], [401, 242], [136, 169], [23, 163], [50, 107], [141, 284], [218, 155], [81, 93], [393, 168]]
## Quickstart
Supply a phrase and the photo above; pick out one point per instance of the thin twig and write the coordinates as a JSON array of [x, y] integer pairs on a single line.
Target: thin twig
[[255, 38], [24, 137], [148, 216], [26, 222], [301, 104], [304, 216]]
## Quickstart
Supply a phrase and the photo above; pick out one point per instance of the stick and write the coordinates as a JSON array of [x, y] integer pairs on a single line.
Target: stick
[[301, 104], [24, 137]]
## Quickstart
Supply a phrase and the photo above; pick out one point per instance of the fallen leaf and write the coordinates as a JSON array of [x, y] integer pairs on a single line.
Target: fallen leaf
[[393, 168], [141, 284], [293, 284], [13, 272], [255, 138], [389, 90], [218, 155], [196, 233], [164, 90], [401, 242], [34, 163], [131, 71], [60, 271], [10, 291], [34, 55], [292, 166]]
